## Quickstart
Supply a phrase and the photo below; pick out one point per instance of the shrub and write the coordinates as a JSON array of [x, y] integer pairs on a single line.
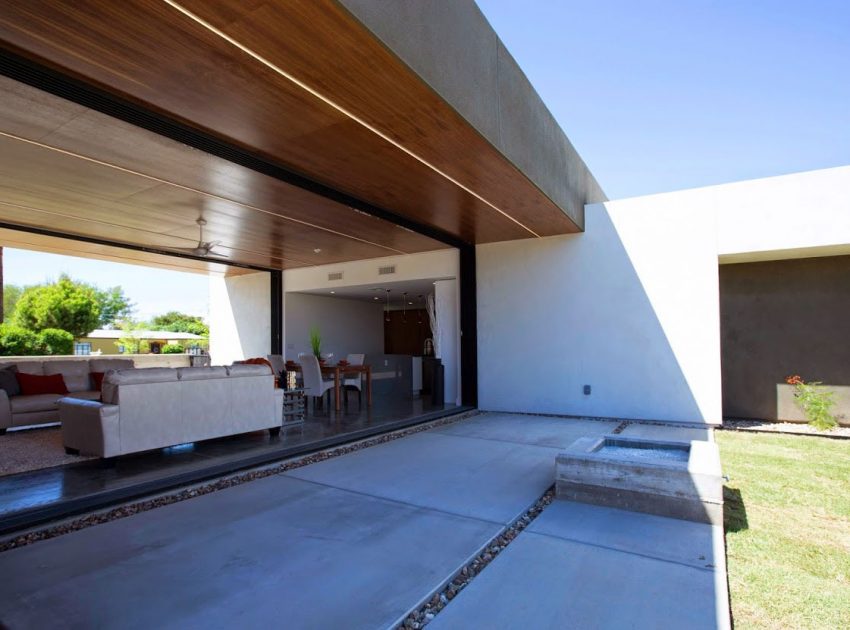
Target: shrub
[[172, 348], [18, 341], [56, 341], [816, 401]]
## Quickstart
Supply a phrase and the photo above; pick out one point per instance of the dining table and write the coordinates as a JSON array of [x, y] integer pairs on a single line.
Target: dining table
[[340, 372]]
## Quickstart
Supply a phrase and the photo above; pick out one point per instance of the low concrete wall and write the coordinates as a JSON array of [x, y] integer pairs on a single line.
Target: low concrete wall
[[139, 360], [787, 409]]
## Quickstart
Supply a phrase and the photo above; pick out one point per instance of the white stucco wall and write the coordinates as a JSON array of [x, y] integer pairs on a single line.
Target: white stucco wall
[[240, 317], [631, 306], [799, 215], [622, 308], [346, 326], [447, 303]]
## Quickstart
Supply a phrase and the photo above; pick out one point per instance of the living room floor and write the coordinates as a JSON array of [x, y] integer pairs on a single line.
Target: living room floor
[[28, 498]]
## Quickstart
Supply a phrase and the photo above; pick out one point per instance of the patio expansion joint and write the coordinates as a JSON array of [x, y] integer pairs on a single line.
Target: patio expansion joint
[[486, 439], [705, 569], [397, 501]]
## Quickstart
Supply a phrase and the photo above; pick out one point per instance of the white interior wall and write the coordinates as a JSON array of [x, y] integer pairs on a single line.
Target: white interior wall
[[437, 264], [631, 306], [240, 317], [442, 264], [346, 326]]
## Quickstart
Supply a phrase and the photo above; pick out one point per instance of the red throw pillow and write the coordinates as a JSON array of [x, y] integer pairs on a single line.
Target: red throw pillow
[[97, 379], [33, 384]]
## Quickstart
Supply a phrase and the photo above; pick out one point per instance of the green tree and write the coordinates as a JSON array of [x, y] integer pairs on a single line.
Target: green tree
[[55, 341], [130, 340], [175, 321], [18, 342], [115, 307], [11, 295], [64, 304]]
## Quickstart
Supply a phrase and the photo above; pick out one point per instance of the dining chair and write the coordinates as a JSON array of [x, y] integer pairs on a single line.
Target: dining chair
[[314, 385], [278, 364], [354, 382]]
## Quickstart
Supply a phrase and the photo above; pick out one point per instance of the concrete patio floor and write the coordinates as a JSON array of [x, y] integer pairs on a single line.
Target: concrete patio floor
[[356, 541]]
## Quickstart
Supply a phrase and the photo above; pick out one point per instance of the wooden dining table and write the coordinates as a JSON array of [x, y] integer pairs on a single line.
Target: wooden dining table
[[339, 372]]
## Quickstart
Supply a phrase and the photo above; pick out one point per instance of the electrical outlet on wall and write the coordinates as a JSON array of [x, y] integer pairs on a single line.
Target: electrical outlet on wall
[[587, 390]]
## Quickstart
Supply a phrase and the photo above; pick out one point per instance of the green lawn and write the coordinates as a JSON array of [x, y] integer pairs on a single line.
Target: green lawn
[[787, 519]]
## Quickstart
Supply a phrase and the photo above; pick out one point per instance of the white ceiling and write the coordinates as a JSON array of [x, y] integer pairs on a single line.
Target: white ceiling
[[413, 288]]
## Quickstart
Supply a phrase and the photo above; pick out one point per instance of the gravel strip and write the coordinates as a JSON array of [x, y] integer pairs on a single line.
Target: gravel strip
[[795, 428], [620, 427], [423, 615], [123, 511]]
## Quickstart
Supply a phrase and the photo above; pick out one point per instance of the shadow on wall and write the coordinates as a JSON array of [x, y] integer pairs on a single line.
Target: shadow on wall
[[780, 318], [637, 321]]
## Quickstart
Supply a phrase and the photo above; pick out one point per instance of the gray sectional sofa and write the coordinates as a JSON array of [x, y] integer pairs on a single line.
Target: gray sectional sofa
[[19, 411], [151, 408]]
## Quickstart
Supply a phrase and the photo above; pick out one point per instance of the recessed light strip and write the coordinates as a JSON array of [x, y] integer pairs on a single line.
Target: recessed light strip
[[159, 180], [339, 108]]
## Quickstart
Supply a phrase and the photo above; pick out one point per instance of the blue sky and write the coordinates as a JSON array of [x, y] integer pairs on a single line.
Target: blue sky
[[655, 95], [665, 95], [154, 291]]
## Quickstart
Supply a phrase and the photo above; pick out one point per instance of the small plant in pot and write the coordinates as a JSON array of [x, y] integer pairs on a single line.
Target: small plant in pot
[[316, 343], [816, 402]]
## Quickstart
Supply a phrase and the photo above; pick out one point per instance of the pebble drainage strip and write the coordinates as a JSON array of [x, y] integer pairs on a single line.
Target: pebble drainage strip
[[423, 615], [191, 492]]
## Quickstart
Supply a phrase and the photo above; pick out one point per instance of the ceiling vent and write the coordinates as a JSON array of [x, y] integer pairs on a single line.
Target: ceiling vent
[[335, 275], [385, 271]]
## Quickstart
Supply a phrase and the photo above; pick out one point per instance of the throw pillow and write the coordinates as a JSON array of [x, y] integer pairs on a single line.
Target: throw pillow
[[34, 384], [8, 381], [97, 380]]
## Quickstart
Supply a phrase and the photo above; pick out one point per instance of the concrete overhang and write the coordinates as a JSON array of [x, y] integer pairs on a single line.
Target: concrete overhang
[[413, 108]]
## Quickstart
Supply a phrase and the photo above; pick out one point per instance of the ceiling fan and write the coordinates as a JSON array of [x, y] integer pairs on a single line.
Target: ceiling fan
[[203, 248]]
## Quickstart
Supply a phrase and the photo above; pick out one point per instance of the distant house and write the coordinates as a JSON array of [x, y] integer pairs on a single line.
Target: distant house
[[103, 341]]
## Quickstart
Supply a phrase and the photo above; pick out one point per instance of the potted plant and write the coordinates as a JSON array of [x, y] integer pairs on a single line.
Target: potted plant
[[316, 343]]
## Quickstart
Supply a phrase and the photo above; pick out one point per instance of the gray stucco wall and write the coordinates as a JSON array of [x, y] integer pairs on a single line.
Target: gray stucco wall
[[452, 47], [779, 318]]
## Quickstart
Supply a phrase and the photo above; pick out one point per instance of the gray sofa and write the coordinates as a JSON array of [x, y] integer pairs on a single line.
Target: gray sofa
[[19, 411], [151, 408]]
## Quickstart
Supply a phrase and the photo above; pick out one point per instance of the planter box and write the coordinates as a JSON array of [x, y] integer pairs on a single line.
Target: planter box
[[665, 478], [787, 409]]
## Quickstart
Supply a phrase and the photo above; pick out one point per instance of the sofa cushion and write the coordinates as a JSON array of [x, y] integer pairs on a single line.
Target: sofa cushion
[[33, 384], [27, 367], [37, 402], [8, 381], [141, 375], [97, 380], [244, 369], [88, 395], [75, 373], [201, 373], [104, 365], [115, 378]]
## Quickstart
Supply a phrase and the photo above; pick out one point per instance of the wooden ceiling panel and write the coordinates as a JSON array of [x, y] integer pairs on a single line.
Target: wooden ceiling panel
[[45, 188], [124, 146], [423, 161]]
